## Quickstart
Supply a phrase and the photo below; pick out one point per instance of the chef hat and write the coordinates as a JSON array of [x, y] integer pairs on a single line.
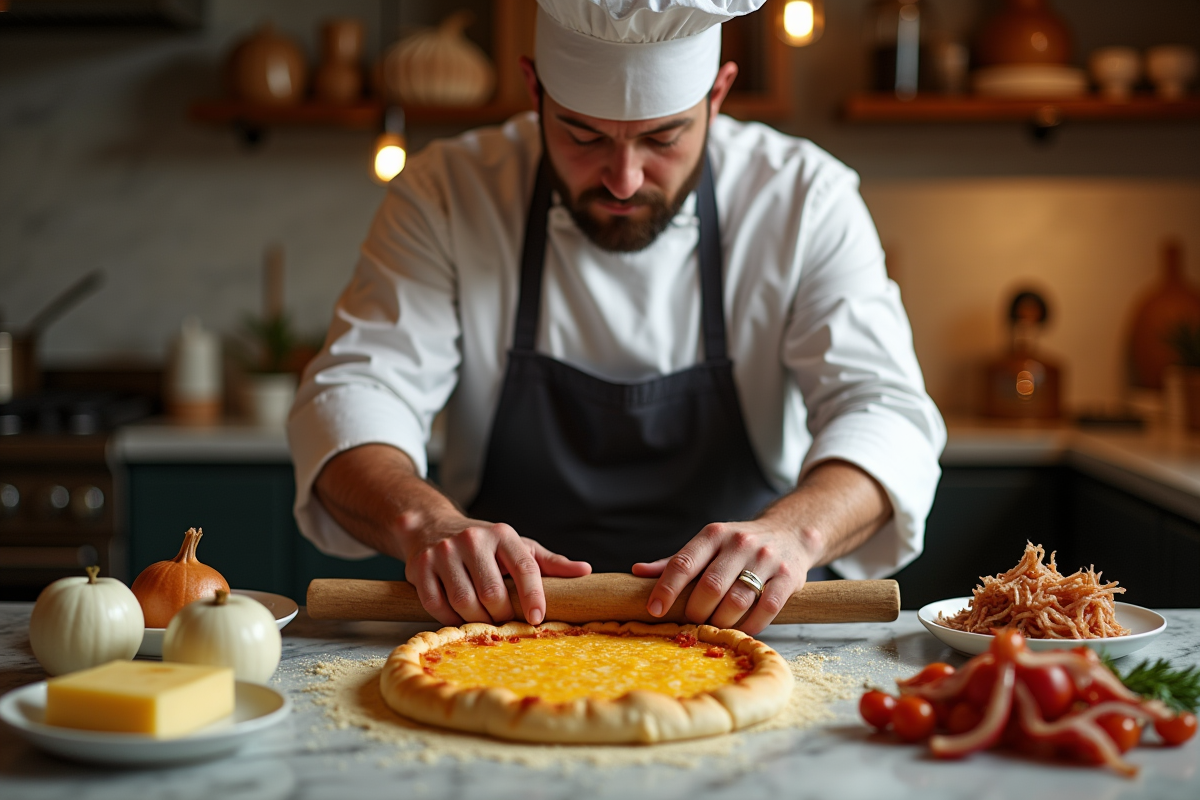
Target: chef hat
[[631, 59]]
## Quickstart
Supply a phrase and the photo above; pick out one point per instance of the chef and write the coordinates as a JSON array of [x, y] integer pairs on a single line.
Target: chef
[[665, 342]]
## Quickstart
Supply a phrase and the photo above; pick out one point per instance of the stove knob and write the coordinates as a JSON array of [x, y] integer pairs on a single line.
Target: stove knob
[[87, 502], [57, 498], [10, 499]]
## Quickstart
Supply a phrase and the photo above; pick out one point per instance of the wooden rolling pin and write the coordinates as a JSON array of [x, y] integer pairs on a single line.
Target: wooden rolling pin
[[604, 596]]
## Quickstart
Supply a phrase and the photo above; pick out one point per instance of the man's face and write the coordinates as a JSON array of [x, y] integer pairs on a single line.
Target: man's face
[[623, 182]]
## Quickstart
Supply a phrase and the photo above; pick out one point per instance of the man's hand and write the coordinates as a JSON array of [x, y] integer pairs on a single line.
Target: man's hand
[[457, 564], [717, 555], [833, 510], [459, 576]]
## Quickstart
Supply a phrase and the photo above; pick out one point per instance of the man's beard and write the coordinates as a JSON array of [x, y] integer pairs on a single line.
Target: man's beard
[[622, 234]]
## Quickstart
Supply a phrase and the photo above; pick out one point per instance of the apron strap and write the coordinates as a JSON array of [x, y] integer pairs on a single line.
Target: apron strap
[[533, 254]]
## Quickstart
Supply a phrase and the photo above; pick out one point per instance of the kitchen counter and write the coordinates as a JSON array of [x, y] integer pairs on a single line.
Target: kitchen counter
[[1161, 467], [307, 758]]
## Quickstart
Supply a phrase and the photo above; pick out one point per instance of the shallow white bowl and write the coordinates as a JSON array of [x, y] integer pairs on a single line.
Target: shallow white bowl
[[283, 608], [258, 708], [1144, 625]]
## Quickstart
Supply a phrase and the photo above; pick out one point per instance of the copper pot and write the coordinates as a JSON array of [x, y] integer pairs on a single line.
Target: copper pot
[[267, 68], [1024, 32]]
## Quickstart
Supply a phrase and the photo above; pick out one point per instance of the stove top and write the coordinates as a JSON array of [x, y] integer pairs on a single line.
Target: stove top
[[72, 411]]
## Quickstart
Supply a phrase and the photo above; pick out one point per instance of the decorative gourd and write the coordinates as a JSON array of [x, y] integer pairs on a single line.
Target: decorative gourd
[[167, 586], [439, 67], [226, 631], [79, 623]]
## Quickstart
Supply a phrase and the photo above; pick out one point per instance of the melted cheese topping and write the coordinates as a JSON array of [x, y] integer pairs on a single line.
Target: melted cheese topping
[[593, 665]]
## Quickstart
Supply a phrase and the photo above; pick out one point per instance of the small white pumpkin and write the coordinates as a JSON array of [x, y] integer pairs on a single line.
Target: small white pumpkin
[[79, 623], [439, 67], [226, 631]]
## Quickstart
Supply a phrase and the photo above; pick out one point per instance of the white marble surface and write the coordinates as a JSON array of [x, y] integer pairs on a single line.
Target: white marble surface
[[838, 759]]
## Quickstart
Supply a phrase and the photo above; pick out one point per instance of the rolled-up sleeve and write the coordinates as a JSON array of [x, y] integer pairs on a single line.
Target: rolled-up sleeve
[[391, 357], [849, 346]]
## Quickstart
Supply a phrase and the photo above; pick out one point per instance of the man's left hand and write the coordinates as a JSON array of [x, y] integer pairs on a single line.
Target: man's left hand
[[717, 555]]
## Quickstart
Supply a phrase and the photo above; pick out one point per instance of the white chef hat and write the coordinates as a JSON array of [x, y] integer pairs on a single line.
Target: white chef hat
[[631, 59]]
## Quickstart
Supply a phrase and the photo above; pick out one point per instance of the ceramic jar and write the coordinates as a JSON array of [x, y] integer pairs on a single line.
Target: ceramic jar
[[267, 68], [1024, 32], [339, 80], [1171, 67], [1115, 70]]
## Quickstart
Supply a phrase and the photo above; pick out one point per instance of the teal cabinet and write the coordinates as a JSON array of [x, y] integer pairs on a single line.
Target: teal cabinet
[[250, 535]]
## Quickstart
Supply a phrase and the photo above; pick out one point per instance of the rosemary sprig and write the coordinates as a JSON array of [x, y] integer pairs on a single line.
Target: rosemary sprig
[[1178, 688]]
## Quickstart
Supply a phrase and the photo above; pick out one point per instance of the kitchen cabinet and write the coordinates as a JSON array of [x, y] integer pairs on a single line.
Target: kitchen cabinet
[[250, 535], [982, 517]]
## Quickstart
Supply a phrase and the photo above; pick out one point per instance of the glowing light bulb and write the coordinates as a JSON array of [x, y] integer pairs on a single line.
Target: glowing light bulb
[[801, 22], [389, 158]]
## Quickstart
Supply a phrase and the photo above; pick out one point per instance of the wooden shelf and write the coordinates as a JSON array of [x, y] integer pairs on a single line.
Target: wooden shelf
[[944, 108]]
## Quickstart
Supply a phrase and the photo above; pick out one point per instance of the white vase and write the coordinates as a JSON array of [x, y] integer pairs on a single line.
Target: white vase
[[268, 398]]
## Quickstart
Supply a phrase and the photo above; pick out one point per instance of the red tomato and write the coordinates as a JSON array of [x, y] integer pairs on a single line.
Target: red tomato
[[1006, 643], [933, 672], [1051, 686], [876, 708], [913, 719], [1177, 730], [979, 688], [963, 717], [1124, 731]]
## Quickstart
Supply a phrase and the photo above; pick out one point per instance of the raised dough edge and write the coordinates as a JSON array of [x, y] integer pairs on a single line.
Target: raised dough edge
[[638, 717]]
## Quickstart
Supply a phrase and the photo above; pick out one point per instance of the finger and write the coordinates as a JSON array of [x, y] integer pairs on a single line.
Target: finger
[[429, 592], [517, 559], [734, 605], [720, 575], [650, 569], [777, 592], [480, 559], [555, 565], [682, 567], [460, 589]]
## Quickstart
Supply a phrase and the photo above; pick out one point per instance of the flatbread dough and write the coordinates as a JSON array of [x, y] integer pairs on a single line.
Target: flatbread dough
[[603, 682]]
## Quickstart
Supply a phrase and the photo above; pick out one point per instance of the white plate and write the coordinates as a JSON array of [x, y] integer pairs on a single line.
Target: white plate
[[258, 708], [1037, 81], [284, 609], [1144, 626]]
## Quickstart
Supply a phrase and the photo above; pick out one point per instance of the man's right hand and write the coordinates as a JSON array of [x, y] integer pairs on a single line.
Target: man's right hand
[[460, 577], [457, 564]]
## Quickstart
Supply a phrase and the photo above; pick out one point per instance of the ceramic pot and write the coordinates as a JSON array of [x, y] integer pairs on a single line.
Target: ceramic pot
[[339, 79], [1115, 70], [267, 68], [1171, 67], [268, 398], [1024, 32], [1169, 304]]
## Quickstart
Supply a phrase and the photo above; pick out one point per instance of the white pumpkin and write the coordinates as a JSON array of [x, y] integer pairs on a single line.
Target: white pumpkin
[[227, 630], [439, 67], [79, 623]]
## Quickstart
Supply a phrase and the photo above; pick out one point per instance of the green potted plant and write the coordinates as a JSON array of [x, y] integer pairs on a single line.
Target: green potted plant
[[1185, 338], [274, 357]]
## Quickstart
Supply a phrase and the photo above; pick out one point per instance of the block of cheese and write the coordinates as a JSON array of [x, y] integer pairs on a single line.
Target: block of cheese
[[155, 698]]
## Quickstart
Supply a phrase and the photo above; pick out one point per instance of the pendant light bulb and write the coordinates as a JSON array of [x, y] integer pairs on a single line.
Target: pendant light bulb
[[391, 148], [801, 22]]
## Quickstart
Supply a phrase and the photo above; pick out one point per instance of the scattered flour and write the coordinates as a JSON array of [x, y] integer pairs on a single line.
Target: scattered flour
[[348, 690]]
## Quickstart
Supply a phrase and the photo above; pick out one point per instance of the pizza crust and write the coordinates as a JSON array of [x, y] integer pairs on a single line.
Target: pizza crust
[[638, 717]]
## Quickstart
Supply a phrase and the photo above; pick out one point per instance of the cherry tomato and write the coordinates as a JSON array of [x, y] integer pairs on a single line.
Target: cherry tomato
[[1177, 730], [876, 708], [1051, 686], [1006, 643], [1124, 731], [932, 672], [979, 688], [913, 719], [963, 717]]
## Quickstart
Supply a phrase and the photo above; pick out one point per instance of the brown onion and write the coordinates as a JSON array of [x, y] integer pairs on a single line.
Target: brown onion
[[167, 586]]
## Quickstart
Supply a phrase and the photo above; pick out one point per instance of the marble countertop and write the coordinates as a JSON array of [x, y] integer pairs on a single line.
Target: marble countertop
[[304, 758]]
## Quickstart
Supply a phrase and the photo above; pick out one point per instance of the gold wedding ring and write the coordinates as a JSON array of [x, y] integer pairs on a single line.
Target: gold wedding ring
[[753, 581]]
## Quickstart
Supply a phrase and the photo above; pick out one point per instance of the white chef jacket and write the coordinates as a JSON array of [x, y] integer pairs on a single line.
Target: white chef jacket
[[821, 346]]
